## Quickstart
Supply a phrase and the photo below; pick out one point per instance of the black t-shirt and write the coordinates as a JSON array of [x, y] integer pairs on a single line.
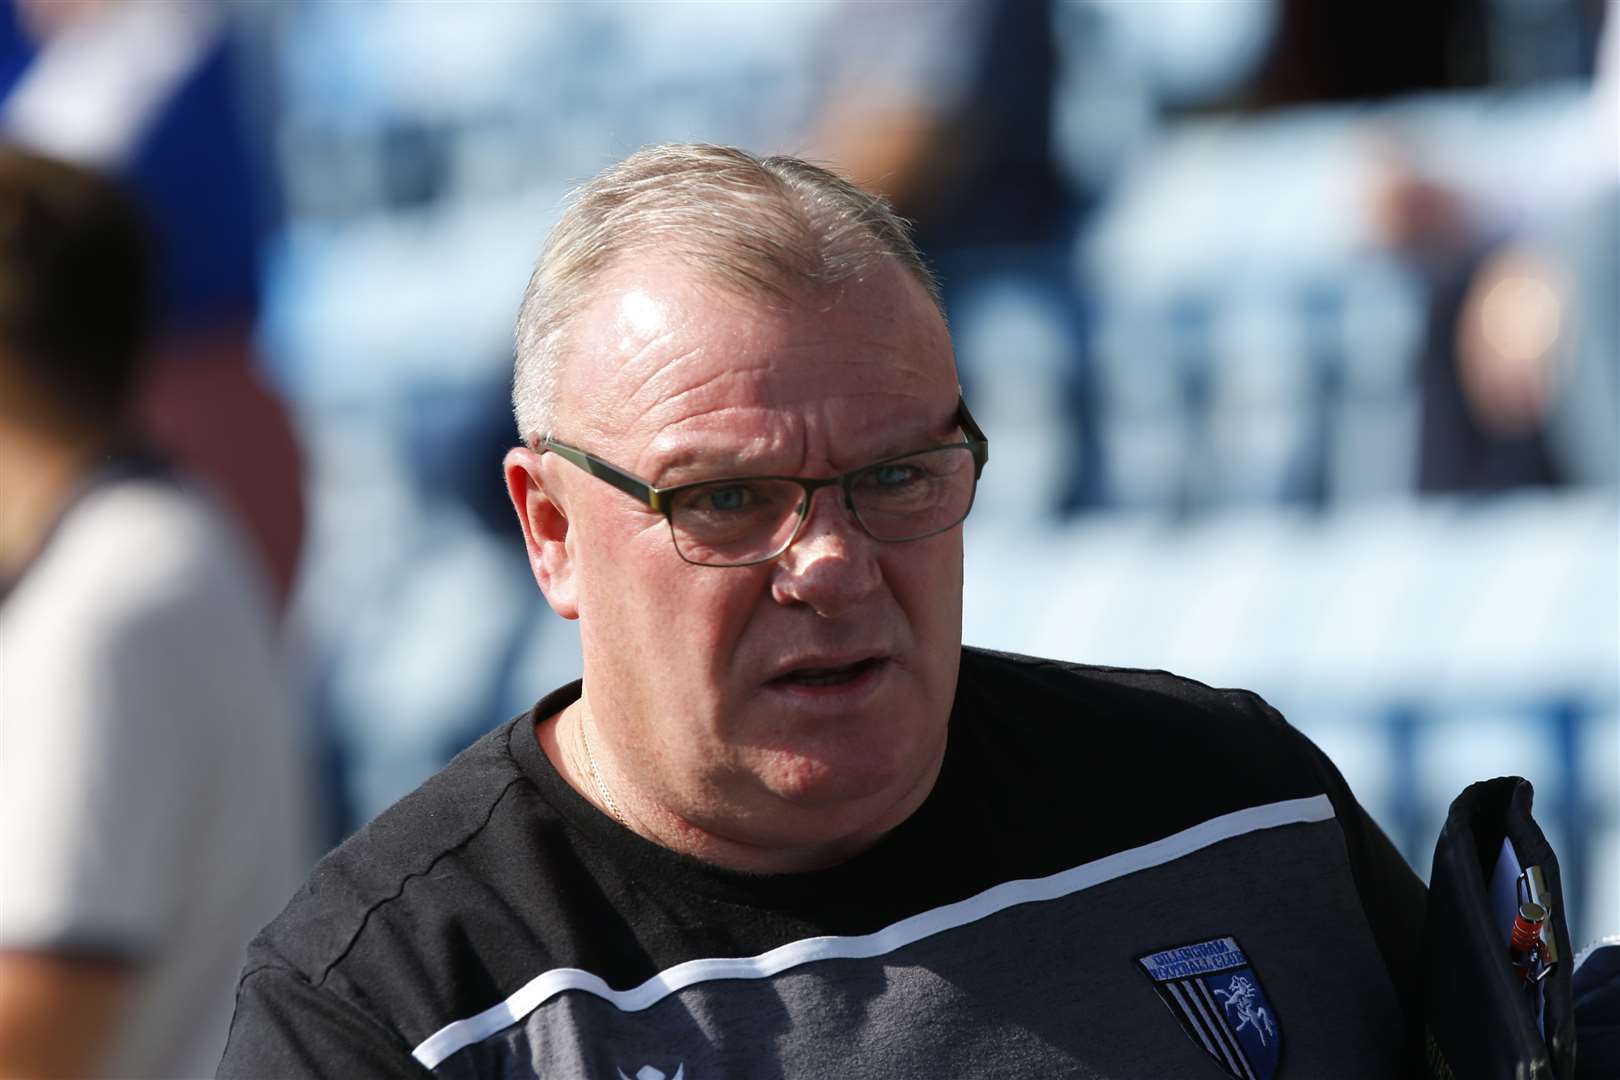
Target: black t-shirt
[[1118, 873]]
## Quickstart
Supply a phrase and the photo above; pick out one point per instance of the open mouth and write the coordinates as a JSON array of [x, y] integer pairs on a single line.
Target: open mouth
[[828, 676]]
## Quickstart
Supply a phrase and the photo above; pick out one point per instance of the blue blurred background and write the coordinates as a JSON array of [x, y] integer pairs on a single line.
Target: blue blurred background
[[1293, 326]]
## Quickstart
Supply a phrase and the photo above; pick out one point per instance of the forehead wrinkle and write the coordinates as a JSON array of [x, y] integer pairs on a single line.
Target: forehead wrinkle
[[673, 449], [756, 372], [607, 419], [650, 411], [778, 381], [651, 370], [754, 357], [763, 373], [729, 373], [670, 451]]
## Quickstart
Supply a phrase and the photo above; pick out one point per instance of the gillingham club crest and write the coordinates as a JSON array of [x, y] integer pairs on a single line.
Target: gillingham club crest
[[1212, 989]]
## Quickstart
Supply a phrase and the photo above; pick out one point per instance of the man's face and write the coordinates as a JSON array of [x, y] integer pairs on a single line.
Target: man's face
[[798, 701]]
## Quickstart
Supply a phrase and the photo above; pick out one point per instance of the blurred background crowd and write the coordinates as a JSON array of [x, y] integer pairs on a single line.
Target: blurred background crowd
[[1293, 326]]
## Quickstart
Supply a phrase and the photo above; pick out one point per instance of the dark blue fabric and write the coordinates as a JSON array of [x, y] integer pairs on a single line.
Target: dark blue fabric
[[194, 172], [197, 177], [1596, 987], [16, 51]]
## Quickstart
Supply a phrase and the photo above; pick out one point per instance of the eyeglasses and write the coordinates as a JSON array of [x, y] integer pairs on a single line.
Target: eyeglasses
[[742, 520]]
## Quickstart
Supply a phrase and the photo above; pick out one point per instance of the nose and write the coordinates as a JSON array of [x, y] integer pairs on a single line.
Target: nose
[[832, 564]]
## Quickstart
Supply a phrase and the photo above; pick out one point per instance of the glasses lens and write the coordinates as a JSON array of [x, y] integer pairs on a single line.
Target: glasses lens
[[734, 521], [916, 496]]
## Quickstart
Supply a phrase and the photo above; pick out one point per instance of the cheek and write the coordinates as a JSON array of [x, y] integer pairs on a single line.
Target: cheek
[[926, 580], [708, 613], [645, 605], [620, 569], [609, 553]]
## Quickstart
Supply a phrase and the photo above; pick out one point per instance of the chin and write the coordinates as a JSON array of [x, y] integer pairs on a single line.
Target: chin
[[862, 757]]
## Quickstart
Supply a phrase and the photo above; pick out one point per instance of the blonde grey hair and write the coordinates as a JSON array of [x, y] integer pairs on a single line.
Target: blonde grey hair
[[767, 227]]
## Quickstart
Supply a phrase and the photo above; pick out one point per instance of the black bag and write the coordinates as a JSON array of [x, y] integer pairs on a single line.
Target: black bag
[[1479, 1019]]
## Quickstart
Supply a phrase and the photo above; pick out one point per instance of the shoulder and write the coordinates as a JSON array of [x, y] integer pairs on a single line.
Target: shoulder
[[143, 614], [1124, 706], [433, 840], [1136, 755], [1091, 682], [141, 683], [445, 902], [140, 628], [133, 556]]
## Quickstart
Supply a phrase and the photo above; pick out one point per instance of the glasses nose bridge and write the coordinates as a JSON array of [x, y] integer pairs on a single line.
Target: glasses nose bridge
[[813, 487]]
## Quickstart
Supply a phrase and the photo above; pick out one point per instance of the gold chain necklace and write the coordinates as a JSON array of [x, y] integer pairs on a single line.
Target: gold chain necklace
[[596, 774]]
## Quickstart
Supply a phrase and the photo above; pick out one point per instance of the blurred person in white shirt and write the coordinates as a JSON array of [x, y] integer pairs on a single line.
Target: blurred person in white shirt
[[151, 798]]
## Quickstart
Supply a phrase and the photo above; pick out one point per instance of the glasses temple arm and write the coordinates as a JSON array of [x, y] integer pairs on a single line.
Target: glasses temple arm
[[600, 469], [975, 435]]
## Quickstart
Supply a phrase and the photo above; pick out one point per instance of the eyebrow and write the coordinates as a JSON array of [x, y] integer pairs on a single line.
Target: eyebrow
[[695, 466]]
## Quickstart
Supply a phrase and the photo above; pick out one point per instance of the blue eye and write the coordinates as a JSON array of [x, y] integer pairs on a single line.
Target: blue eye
[[727, 499], [895, 475]]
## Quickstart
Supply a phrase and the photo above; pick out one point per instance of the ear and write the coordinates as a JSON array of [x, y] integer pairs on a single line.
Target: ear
[[545, 530]]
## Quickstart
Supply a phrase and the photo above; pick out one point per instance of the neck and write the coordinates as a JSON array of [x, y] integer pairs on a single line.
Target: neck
[[39, 470], [594, 774], [716, 847]]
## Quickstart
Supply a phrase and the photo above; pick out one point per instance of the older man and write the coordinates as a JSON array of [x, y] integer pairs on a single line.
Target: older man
[[786, 824]]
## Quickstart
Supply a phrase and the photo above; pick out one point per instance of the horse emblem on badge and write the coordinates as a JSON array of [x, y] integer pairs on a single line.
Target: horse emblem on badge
[[1212, 990]]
